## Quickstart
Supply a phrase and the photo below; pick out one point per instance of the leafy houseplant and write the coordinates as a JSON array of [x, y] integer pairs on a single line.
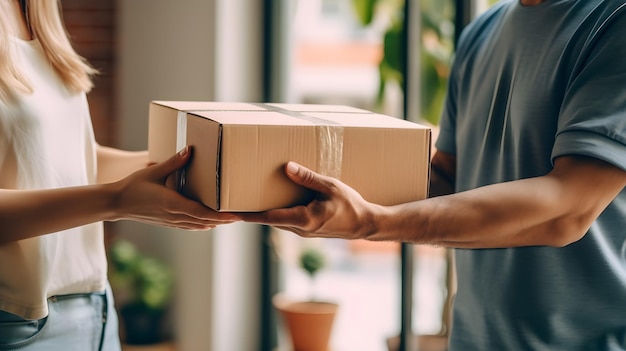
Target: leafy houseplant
[[311, 260], [309, 322], [436, 48], [144, 286]]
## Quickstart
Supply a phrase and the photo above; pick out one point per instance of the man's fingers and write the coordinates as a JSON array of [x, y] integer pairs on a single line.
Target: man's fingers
[[296, 217], [307, 178]]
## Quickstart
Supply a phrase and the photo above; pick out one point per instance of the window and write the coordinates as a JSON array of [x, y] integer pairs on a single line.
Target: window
[[333, 58]]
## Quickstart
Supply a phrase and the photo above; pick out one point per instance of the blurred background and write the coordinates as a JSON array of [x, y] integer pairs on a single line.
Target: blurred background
[[349, 52]]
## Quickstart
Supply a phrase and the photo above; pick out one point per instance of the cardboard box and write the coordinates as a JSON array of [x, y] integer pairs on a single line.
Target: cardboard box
[[240, 150]]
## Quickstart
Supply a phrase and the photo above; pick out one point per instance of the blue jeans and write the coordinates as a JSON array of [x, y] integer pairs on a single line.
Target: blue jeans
[[78, 322]]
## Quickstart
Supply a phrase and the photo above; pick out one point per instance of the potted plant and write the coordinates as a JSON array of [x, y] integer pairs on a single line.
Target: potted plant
[[142, 285], [309, 322]]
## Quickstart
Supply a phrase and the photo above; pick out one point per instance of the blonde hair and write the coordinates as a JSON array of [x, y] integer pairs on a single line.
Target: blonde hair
[[46, 26]]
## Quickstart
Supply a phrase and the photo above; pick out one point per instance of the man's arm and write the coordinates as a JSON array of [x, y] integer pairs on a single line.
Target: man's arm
[[553, 210]]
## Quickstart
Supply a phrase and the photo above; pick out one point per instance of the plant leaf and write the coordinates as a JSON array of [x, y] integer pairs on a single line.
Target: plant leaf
[[364, 10]]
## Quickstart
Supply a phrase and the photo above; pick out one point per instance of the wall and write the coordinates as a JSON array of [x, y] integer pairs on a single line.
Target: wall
[[91, 25], [158, 49]]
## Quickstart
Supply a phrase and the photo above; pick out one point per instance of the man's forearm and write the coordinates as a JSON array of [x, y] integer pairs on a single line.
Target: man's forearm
[[538, 211], [475, 219]]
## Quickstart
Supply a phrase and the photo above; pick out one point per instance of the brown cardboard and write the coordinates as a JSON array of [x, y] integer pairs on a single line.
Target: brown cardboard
[[240, 150]]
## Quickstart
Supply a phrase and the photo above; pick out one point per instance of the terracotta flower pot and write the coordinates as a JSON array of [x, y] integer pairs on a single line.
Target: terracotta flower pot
[[309, 322]]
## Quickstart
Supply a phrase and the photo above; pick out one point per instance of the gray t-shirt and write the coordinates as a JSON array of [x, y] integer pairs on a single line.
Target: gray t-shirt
[[530, 84]]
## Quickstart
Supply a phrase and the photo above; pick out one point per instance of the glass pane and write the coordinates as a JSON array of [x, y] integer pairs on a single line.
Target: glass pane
[[430, 263], [335, 57], [433, 266], [340, 55], [335, 60], [361, 277]]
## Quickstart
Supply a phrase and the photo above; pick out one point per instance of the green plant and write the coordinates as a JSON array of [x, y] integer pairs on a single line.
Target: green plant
[[436, 48], [145, 282], [312, 260], [143, 287]]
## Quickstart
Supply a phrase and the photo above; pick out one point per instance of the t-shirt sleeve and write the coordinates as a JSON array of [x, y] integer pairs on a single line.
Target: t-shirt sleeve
[[592, 120], [446, 141]]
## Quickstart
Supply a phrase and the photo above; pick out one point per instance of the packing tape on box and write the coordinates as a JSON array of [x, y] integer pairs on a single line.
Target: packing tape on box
[[181, 130], [181, 142], [330, 158], [329, 136]]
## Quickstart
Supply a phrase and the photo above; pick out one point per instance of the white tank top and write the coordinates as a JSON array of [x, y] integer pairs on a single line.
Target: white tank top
[[47, 141]]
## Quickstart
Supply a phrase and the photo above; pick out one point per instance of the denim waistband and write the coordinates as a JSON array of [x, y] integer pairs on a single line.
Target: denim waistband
[[57, 298], [61, 324]]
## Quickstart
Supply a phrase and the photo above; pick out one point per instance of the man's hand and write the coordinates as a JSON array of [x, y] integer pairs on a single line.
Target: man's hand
[[337, 211], [551, 210]]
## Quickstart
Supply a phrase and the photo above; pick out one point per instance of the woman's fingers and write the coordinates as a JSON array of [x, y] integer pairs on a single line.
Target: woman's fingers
[[180, 220], [164, 169], [182, 205], [144, 196]]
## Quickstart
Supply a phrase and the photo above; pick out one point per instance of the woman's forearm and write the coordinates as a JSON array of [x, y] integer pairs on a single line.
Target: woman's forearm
[[25, 214], [143, 196], [115, 164]]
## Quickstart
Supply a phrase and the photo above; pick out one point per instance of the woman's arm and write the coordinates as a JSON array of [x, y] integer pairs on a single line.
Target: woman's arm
[[114, 164], [142, 196], [553, 210]]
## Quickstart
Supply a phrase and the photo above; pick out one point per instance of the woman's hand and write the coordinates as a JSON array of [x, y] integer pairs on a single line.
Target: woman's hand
[[143, 196], [337, 211], [149, 195]]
